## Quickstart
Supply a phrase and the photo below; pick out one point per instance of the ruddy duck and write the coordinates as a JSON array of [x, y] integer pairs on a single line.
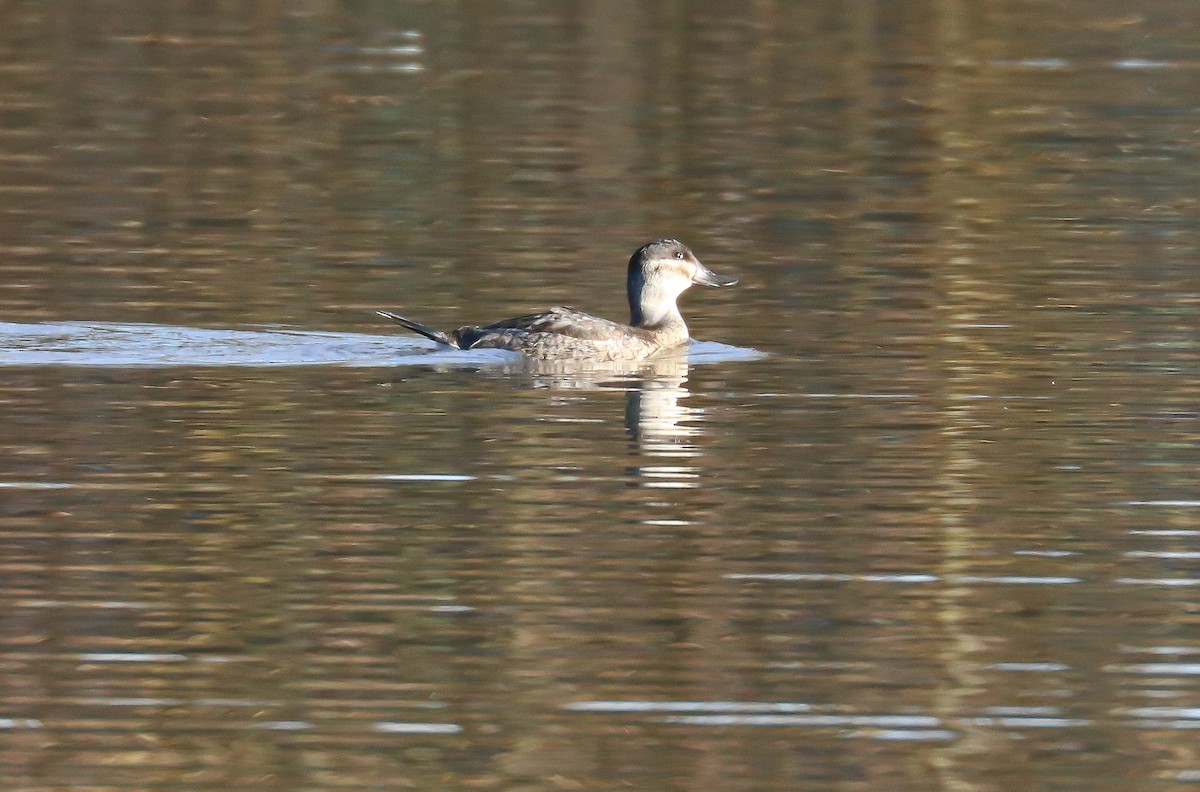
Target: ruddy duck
[[658, 273]]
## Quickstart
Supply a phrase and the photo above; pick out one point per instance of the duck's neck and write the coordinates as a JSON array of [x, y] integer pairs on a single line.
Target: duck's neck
[[653, 307], [649, 318]]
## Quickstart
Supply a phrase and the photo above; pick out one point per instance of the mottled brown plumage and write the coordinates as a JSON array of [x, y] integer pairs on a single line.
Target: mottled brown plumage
[[658, 273]]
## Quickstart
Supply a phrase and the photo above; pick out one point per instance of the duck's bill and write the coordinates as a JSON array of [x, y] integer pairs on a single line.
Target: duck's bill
[[709, 278]]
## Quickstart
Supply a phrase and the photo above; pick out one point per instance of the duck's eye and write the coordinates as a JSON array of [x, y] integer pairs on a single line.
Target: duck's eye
[[678, 254]]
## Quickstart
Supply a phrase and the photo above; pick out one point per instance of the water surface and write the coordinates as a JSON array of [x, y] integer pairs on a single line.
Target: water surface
[[942, 533]]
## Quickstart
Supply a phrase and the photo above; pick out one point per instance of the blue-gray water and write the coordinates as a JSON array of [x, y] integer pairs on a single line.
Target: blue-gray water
[[918, 511]]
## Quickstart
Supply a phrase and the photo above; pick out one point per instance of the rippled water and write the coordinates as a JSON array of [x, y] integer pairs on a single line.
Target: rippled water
[[136, 346], [918, 511]]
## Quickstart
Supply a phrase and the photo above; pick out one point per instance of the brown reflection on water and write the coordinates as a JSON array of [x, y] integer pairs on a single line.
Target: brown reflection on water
[[944, 536]]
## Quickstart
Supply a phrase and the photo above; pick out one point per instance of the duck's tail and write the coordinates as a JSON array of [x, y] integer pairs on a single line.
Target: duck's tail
[[425, 330]]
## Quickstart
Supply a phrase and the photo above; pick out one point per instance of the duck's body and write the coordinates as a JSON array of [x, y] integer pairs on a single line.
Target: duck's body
[[658, 273], [556, 333]]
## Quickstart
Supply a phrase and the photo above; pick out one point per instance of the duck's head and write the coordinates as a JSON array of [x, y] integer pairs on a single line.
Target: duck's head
[[658, 273]]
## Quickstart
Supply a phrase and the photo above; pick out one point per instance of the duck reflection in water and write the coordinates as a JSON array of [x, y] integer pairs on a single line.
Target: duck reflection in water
[[654, 415], [656, 418]]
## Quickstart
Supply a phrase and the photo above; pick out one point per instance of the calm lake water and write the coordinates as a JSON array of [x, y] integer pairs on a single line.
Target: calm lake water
[[921, 512]]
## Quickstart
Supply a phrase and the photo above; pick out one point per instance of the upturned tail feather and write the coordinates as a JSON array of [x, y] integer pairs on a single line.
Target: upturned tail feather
[[417, 327]]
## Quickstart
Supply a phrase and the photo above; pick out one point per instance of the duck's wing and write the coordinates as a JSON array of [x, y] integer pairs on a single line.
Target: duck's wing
[[564, 321]]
